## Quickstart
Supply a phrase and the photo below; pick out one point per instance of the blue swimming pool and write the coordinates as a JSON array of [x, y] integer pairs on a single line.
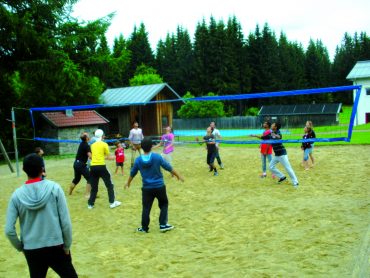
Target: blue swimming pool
[[224, 132]]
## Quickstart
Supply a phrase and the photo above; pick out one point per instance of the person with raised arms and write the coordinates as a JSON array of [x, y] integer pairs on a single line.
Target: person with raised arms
[[281, 156], [149, 165], [80, 165]]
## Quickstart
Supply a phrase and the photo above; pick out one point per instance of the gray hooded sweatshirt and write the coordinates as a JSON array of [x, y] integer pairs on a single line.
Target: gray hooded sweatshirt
[[43, 216]]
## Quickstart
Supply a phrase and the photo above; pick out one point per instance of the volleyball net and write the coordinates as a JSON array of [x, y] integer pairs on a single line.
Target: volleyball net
[[62, 126]]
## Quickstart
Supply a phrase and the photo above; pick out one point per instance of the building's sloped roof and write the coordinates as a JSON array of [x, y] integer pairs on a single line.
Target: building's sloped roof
[[360, 70], [301, 109], [77, 118], [134, 95]]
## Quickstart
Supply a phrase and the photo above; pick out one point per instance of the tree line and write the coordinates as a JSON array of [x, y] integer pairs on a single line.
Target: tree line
[[49, 58]]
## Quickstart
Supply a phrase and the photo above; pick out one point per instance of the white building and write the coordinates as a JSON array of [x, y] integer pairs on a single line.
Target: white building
[[360, 75]]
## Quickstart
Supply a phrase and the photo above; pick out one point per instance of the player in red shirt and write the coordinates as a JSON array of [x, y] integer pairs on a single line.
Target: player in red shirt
[[120, 157], [266, 149]]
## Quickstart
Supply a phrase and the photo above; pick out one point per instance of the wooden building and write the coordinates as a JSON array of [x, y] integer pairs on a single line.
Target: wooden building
[[290, 116], [150, 105], [360, 75]]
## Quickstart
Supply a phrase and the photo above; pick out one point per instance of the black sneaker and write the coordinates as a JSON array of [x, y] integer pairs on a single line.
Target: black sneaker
[[141, 230], [165, 228], [281, 179]]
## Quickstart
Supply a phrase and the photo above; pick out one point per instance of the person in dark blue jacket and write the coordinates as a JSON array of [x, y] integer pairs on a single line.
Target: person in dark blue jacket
[[149, 164]]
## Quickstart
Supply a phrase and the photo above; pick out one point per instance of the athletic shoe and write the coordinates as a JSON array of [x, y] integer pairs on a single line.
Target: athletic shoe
[[222, 166], [90, 206], [165, 228], [296, 185], [263, 175], [281, 179], [215, 174], [141, 230], [115, 204]]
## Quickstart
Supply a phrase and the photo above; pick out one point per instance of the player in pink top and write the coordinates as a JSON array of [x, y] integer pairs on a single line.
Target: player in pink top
[[120, 157], [167, 140]]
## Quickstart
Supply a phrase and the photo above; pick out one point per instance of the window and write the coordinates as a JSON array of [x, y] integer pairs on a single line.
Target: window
[[367, 91]]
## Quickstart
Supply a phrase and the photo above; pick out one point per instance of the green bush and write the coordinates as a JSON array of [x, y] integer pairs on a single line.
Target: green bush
[[201, 109]]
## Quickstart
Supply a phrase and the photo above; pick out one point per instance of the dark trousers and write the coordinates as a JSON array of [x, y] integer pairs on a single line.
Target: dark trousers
[[218, 158], [148, 196], [211, 158], [80, 169], [97, 172], [39, 261]]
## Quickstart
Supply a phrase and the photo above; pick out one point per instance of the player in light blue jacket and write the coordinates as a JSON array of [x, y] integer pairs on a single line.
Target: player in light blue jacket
[[45, 224]]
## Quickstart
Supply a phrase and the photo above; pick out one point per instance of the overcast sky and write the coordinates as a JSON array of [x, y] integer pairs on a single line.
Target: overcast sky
[[300, 20]]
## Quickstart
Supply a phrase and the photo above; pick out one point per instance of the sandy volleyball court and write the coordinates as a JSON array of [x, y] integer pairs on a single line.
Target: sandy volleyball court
[[233, 225]]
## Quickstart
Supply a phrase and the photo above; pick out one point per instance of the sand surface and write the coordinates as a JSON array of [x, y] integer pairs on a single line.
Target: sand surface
[[233, 225]]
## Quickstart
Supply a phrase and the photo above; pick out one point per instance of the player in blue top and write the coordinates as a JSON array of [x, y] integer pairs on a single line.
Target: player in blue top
[[149, 164]]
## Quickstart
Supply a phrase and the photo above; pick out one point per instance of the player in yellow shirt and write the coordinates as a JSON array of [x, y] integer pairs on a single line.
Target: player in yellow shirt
[[98, 169]]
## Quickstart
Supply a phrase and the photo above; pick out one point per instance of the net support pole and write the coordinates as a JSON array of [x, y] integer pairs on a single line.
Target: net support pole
[[15, 141]]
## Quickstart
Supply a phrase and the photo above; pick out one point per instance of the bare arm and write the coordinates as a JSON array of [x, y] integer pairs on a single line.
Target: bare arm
[[174, 172], [128, 183]]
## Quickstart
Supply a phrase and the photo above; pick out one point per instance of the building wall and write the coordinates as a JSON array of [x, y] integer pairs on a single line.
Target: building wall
[[71, 133], [164, 113], [50, 132], [364, 103]]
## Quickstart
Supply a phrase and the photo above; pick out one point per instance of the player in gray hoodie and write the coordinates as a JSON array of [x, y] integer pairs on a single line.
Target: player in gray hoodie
[[45, 224]]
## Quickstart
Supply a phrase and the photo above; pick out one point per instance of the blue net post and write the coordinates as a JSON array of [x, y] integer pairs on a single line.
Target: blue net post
[[354, 112]]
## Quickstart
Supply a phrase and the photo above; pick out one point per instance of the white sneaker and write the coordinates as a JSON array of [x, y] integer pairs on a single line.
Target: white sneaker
[[90, 206], [115, 204]]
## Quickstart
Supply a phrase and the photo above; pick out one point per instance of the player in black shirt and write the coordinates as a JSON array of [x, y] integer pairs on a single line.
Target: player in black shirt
[[210, 140], [80, 165]]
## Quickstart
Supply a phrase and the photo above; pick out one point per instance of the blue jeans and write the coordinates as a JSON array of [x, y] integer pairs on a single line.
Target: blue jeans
[[263, 159], [306, 154]]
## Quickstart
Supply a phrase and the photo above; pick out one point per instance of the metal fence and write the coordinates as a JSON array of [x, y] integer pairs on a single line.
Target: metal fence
[[221, 123]]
